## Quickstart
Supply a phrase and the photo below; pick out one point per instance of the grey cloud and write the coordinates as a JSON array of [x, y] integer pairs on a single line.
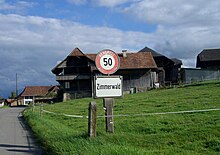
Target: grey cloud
[[172, 12]]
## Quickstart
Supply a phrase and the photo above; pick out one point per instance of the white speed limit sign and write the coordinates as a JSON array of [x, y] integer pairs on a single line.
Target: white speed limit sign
[[107, 62]]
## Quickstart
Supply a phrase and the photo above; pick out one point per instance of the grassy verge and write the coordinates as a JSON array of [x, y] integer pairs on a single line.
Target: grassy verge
[[192, 133], [5, 107]]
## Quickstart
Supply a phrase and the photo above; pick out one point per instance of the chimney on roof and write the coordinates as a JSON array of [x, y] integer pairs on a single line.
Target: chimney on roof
[[124, 53]]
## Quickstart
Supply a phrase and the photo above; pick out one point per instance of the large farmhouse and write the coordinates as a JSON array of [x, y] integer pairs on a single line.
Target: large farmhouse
[[35, 94], [75, 73]]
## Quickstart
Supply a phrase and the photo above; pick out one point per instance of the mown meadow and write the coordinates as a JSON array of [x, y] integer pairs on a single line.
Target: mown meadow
[[188, 133]]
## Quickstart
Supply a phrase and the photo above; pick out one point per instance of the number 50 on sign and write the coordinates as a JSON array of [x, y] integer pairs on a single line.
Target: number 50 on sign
[[107, 62]]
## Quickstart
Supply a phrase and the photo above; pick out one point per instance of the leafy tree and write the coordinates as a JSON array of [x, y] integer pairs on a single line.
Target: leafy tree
[[13, 95]]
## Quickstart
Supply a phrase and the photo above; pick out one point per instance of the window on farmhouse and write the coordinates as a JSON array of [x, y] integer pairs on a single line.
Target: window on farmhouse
[[67, 85]]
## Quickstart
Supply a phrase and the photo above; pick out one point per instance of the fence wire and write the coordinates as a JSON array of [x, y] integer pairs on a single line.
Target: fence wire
[[137, 115], [74, 116]]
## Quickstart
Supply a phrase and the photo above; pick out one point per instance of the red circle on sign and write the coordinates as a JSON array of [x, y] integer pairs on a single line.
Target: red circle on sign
[[107, 61]]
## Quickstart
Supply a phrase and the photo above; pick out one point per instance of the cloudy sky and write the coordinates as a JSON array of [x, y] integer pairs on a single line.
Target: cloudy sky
[[35, 35]]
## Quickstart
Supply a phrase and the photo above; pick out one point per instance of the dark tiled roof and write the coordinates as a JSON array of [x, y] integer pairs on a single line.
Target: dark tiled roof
[[177, 61], [91, 56], [133, 60], [76, 52], [154, 53], [161, 60], [36, 90], [138, 60], [209, 55]]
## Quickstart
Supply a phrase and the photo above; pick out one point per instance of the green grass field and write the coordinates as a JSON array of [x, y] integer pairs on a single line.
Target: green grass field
[[4, 107], [190, 133]]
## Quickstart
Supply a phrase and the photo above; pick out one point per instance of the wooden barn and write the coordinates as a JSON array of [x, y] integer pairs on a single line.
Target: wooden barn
[[168, 68], [209, 59], [75, 73], [45, 94]]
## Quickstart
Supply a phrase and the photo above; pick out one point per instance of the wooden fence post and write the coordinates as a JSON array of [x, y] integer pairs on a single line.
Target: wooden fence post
[[41, 109], [92, 119], [33, 103], [108, 105]]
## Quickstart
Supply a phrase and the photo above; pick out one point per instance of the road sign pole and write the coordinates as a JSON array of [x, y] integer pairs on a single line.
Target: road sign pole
[[108, 104]]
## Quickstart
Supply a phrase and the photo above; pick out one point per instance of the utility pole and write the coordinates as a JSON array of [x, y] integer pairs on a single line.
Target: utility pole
[[16, 91]]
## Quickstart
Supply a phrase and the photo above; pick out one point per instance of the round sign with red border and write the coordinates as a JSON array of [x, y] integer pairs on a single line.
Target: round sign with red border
[[107, 61]]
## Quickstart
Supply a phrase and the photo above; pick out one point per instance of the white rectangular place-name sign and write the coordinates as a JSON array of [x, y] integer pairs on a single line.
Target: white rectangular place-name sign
[[108, 86]]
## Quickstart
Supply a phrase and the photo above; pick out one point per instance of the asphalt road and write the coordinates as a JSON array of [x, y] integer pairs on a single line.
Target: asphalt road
[[15, 136]]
